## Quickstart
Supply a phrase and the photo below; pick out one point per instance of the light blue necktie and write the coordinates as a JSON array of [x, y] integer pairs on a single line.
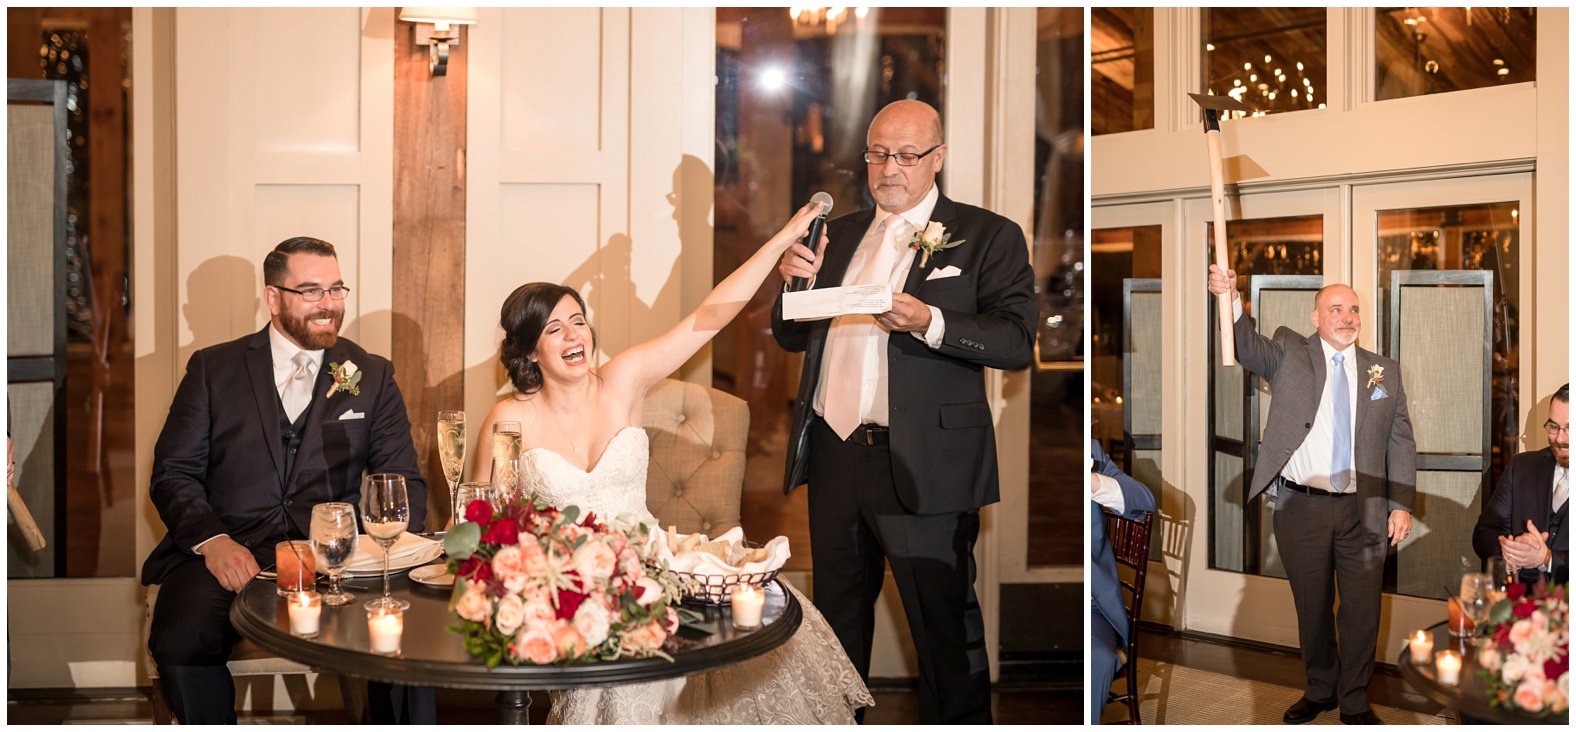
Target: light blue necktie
[[1341, 456]]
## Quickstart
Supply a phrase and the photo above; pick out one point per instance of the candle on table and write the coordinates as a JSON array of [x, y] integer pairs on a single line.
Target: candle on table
[[747, 603], [1447, 665], [385, 628], [1422, 647], [306, 609]]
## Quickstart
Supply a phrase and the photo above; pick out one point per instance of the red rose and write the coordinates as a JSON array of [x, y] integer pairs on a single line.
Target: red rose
[[589, 521], [503, 533], [569, 602], [1523, 609], [1554, 668], [479, 512], [1515, 592]]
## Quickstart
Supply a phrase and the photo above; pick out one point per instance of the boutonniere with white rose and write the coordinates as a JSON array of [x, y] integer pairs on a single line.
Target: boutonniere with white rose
[[347, 378], [933, 239], [1376, 378]]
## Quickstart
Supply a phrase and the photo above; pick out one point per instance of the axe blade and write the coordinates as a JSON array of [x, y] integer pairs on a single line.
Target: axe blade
[[1221, 103]]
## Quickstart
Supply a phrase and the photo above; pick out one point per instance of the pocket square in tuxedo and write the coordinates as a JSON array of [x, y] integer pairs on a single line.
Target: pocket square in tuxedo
[[352, 414], [944, 272], [1377, 395]]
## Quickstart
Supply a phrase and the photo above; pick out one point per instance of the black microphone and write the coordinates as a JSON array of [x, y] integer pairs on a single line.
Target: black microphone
[[813, 239]]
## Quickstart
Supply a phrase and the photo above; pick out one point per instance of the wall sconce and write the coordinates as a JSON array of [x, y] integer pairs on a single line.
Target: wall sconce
[[435, 29]]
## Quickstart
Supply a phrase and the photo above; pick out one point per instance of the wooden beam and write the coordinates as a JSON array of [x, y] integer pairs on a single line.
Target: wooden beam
[[429, 248], [24, 33]]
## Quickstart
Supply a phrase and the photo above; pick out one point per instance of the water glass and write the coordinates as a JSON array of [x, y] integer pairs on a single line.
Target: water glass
[[334, 540], [468, 492]]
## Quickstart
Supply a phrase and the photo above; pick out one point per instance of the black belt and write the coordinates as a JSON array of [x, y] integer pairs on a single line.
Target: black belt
[[870, 434], [1300, 488]]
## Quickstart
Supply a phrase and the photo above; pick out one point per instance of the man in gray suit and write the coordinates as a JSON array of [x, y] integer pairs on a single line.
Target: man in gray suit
[[1337, 458]]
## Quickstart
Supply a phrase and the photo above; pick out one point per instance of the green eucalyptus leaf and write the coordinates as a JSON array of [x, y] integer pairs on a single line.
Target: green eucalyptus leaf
[[461, 541], [571, 514]]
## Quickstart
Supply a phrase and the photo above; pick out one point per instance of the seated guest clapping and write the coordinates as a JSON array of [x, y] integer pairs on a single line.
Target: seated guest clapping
[[1524, 519], [254, 439], [1116, 490]]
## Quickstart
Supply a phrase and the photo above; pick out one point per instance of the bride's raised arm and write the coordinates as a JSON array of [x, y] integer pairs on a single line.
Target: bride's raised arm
[[649, 362]]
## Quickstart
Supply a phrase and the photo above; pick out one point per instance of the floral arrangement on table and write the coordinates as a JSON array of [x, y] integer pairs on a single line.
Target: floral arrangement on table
[[538, 584], [1525, 658]]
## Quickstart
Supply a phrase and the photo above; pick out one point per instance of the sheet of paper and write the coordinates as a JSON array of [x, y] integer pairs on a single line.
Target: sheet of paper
[[831, 302]]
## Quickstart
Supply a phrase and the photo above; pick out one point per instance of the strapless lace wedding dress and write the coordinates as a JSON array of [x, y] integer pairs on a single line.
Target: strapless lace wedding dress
[[808, 680]]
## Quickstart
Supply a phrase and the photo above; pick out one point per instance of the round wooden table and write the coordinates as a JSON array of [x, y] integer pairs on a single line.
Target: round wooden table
[[1470, 696], [432, 655]]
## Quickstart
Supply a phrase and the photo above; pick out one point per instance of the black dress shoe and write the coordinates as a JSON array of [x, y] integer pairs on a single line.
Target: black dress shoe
[[1305, 710], [1367, 717]]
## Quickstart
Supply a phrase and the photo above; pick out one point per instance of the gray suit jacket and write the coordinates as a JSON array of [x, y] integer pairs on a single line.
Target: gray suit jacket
[[1382, 452]]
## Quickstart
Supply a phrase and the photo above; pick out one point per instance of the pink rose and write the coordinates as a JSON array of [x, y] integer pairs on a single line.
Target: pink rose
[[532, 560], [570, 643], [647, 591], [1529, 695], [508, 563], [511, 613], [539, 614], [474, 605], [670, 621], [536, 646], [647, 637], [1554, 697], [1488, 658], [595, 562]]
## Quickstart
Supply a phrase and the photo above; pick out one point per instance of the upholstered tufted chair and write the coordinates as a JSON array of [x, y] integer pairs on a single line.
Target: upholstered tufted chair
[[696, 476]]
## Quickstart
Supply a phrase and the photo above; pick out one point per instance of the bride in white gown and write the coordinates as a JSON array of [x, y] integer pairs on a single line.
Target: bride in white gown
[[584, 446]]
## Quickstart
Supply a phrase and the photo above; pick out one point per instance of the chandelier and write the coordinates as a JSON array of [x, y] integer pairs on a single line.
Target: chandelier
[[827, 19]]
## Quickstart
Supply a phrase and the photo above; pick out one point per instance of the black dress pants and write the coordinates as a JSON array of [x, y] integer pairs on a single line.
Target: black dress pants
[[191, 638], [857, 527]]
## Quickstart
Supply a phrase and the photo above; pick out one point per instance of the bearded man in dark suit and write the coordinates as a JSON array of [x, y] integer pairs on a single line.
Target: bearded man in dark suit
[[253, 440], [1338, 459], [1524, 519], [892, 429]]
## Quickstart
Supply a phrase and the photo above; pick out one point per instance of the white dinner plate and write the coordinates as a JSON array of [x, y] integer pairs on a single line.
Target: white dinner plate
[[397, 563], [435, 575]]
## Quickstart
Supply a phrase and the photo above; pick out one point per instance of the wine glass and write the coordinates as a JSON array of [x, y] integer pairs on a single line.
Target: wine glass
[[385, 512], [1477, 596], [468, 492], [334, 540], [451, 452], [506, 461]]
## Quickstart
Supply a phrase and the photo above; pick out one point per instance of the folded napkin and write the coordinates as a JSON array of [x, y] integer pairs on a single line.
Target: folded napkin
[[409, 551], [706, 563]]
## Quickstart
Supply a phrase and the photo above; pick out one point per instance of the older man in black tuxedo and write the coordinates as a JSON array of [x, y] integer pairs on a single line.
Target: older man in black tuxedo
[[892, 429], [253, 440], [1524, 519]]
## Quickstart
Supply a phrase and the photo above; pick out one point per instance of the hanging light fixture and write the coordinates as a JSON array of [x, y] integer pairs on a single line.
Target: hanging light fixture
[[435, 29]]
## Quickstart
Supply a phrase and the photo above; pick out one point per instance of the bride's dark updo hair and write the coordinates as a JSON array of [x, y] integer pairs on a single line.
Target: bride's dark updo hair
[[523, 316]]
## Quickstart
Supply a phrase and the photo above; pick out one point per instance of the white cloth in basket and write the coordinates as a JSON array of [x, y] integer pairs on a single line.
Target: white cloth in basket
[[706, 563]]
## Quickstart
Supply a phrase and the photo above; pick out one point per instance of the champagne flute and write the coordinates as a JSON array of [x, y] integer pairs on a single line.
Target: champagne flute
[[385, 512], [1477, 595], [451, 452], [334, 540], [506, 461]]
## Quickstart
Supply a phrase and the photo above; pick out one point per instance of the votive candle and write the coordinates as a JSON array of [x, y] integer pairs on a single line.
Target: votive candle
[[1422, 645], [1447, 666], [306, 610], [385, 627], [747, 603]]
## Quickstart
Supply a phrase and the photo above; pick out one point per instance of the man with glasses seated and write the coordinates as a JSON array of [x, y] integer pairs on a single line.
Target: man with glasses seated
[[1524, 519], [258, 433]]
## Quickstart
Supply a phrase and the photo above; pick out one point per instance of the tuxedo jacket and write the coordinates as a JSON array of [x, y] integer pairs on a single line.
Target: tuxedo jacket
[[1383, 453], [1525, 492], [942, 441], [1105, 586], [219, 466]]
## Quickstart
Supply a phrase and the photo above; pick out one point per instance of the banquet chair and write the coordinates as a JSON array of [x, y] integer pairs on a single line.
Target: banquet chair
[[696, 475], [1130, 540], [246, 659]]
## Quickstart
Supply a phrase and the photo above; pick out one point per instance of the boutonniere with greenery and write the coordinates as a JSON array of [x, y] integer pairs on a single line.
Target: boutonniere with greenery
[[347, 378], [1376, 377], [933, 239]]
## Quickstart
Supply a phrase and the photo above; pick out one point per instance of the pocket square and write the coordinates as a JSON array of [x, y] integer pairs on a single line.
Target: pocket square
[[1377, 395], [944, 272], [352, 414]]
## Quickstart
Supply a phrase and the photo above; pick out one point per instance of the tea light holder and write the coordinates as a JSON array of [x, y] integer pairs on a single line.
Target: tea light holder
[[1447, 667], [306, 611], [385, 627], [1422, 645], [748, 600]]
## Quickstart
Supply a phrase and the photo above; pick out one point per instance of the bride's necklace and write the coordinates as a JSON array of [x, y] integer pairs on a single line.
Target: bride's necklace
[[560, 426]]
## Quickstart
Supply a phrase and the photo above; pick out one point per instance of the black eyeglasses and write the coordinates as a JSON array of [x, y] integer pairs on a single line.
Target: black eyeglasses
[[314, 294], [905, 159], [1555, 429]]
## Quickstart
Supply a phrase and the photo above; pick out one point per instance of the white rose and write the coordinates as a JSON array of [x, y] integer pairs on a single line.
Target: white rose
[[595, 562], [934, 231], [592, 621], [1514, 668], [474, 605], [511, 612]]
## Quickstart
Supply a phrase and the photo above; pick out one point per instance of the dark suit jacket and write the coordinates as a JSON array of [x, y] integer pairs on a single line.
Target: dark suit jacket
[[1383, 452], [219, 468], [1525, 492], [942, 441], [1104, 585]]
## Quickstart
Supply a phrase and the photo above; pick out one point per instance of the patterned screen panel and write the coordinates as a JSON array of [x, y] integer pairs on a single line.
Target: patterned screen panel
[[1227, 512], [1440, 547], [33, 435], [1143, 396], [30, 230], [1442, 367]]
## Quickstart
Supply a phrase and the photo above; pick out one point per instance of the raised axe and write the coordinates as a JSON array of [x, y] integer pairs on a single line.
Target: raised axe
[[1213, 106]]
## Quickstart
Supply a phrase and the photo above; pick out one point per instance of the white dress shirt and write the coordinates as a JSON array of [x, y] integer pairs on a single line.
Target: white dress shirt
[[1310, 464], [283, 352], [1107, 492], [873, 393]]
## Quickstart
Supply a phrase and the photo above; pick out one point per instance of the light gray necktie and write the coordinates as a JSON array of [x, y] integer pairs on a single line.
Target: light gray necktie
[[1562, 489], [1341, 452], [298, 389]]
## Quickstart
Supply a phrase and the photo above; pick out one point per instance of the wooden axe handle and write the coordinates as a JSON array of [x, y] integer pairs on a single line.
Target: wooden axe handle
[[1217, 197], [24, 519]]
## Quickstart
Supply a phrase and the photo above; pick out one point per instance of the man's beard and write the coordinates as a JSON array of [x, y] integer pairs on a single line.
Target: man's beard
[[890, 198], [303, 334], [1563, 460]]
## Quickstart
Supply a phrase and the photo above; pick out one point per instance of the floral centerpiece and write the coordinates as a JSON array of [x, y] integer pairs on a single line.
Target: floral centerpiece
[[540, 584], [1525, 658]]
